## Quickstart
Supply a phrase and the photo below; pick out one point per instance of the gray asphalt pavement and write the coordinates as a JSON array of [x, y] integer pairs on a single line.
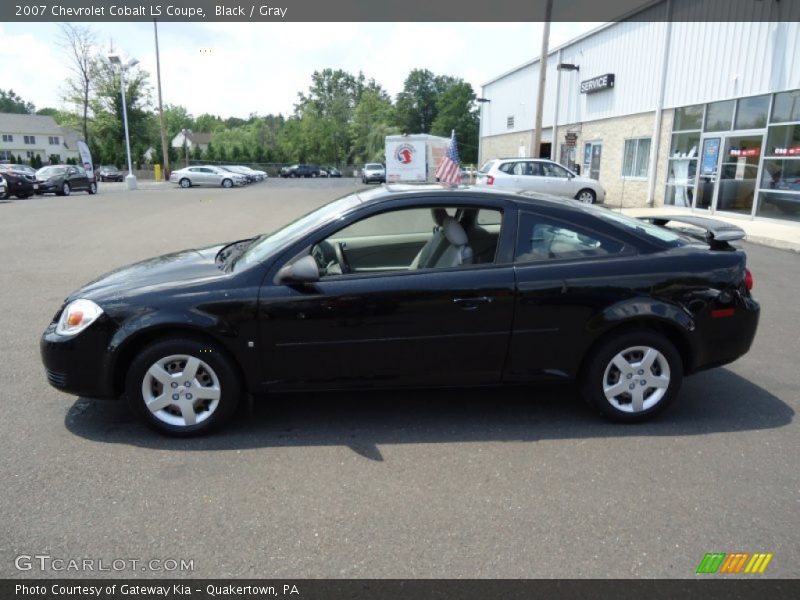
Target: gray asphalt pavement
[[514, 483]]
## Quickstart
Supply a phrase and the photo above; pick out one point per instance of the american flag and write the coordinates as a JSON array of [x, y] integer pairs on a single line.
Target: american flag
[[448, 171]]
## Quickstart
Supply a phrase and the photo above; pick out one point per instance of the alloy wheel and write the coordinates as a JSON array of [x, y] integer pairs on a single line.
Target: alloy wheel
[[636, 379], [181, 390]]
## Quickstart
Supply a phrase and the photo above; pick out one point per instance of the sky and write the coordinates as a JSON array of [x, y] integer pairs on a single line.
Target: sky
[[235, 69]]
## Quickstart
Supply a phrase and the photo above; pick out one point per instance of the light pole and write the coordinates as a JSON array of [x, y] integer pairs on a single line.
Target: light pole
[[114, 59], [481, 102], [164, 149]]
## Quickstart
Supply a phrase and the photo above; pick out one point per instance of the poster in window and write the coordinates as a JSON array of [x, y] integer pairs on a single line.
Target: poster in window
[[710, 156]]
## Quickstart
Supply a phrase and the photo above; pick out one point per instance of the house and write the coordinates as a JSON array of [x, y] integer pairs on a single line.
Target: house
[[27, 136], [192, 139]]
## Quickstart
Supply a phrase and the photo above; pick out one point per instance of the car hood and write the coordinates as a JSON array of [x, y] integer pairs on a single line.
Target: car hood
[[154, 275]]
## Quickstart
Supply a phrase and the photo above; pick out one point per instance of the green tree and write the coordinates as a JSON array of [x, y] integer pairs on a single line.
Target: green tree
[[197, 152], [11, 103], [416, 104], [371, 123], [457, 110]]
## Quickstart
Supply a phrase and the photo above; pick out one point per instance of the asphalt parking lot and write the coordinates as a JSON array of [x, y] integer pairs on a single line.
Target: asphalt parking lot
[[513, 483]]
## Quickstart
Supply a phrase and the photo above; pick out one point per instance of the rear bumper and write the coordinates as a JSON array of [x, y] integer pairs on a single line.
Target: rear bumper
[[723, 339]]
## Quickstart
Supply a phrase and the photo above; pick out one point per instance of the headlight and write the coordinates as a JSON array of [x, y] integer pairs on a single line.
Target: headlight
[[77, 316]]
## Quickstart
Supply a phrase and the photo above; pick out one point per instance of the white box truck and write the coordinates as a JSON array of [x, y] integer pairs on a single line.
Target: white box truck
[[414, 158]]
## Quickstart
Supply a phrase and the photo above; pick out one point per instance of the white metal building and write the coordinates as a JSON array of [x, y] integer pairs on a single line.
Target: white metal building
[[681, 111]]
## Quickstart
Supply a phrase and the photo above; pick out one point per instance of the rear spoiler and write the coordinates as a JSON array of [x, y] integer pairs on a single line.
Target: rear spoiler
[[717, 233]]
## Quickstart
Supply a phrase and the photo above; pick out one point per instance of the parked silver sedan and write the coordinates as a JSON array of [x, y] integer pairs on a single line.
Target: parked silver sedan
[[206, 175], [540, 175]]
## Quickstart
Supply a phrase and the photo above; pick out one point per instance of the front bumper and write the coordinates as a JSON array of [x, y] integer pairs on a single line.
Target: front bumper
[[80, 364]]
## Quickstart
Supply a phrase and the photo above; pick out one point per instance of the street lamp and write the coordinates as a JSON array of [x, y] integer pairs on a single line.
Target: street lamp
[[115, 60], [480, 101]]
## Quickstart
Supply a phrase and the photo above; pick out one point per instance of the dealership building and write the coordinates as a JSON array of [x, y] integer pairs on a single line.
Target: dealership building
[[680, 111]]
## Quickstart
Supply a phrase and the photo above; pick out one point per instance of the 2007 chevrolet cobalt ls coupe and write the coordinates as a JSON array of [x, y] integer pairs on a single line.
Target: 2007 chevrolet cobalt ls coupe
[[413, 286]]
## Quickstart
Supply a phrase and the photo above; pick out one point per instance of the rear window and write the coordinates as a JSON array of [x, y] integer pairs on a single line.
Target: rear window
[[656, 233], [487, 166]]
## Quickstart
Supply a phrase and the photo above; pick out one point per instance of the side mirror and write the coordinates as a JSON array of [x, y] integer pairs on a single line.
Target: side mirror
[[304, 270]]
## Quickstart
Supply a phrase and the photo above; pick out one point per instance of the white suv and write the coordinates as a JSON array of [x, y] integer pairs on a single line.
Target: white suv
[[540, 175]]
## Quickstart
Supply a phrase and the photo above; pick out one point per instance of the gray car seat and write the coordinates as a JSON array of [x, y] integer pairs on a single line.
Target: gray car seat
[[434, 247], [458, 251]]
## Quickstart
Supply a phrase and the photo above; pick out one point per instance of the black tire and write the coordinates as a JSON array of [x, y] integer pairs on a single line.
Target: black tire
[[313, 175], [227, 183], [592, 196], [185, 183], [599, 370], [66, 190], [5, 196], [221, 366], [92, 188], [292, 175]]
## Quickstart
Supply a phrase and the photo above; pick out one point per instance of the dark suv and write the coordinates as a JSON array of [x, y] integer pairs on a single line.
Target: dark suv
[[300, 170]]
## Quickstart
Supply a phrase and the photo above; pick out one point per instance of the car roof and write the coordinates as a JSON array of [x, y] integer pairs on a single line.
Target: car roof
[[526, 198]]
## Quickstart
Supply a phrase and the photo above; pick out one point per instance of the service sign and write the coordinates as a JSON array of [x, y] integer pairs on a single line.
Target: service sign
[[86, 158], [405, 161], [597, 84]]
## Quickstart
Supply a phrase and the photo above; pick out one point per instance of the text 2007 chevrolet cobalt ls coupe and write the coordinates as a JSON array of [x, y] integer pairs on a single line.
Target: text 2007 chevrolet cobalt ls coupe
[[417, 286]]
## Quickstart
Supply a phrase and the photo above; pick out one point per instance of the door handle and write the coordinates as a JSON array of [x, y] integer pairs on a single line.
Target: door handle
[[472, 303]]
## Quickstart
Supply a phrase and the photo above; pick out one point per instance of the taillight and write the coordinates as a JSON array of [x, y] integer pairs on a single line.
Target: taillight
[[748, 279], [489, 180]]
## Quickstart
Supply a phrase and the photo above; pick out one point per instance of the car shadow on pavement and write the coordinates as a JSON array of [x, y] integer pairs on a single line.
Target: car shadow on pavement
[[711, 402]]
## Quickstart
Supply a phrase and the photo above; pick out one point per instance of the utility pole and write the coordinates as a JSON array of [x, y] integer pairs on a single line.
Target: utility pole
[[164, 150], [537, 133]]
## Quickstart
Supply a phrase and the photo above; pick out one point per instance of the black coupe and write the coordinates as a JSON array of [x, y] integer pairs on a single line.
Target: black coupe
[[413, 286]]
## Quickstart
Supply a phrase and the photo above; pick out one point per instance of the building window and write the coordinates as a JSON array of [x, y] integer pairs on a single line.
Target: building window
[[719, 115], [786, 107], [751, 113], [510, 122], [688, 117], [6, 155], [30, 139], [53, 140], [30, 153], [779, 188], [636, 157], [7, 137]]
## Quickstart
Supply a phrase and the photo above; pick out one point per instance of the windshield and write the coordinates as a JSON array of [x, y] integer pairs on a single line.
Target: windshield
[[50, 171], [263, 246], [373, 167], [672, 238]]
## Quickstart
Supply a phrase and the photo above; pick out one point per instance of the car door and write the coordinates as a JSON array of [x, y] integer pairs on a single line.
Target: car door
[[81, 179], [566, 273], [556, 179], [442, 326]]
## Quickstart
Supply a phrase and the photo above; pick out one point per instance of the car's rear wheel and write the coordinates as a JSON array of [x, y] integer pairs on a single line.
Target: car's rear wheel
[[226, 183], [92, 188], [185, 183], [586, 196], [183, 387], [633, 376], [313, 175]]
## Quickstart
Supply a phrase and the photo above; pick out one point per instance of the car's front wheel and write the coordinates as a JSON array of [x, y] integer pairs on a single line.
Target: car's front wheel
[[586, 196], [633, 376], [92, 188], [183, 387], [226, 183], [66, 190]]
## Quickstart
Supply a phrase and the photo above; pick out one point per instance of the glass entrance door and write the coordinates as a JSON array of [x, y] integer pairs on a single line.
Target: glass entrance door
[[707, 173], [592, 151], [738, 174]]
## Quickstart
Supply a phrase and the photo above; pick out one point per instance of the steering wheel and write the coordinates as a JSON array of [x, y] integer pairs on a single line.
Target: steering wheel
[[344, 265]]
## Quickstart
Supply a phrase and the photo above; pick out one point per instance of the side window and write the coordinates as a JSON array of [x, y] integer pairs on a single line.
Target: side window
[[540, 238], [507, 167], [553, 170], [411, 239], [522, 168]]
